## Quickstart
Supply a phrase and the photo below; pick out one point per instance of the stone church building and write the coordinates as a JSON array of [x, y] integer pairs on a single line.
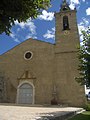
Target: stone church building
[[36, 72]]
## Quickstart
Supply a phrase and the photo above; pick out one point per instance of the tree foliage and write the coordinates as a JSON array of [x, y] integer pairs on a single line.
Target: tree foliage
[[84, 58], [20, 10]]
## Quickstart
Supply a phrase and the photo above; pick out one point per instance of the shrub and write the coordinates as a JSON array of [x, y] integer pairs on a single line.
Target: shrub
[[87, 107]]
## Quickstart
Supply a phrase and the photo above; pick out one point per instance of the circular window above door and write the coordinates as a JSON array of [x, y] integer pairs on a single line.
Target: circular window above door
[[28, 55]]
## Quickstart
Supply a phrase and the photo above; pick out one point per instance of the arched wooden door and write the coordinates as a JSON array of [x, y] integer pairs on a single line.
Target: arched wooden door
[[25, 94]]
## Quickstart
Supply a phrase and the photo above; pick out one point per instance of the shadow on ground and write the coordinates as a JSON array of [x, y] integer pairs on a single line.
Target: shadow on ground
[[63, 115]]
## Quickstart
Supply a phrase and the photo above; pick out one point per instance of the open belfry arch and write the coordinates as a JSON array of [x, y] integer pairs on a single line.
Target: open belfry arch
[[36, 72]]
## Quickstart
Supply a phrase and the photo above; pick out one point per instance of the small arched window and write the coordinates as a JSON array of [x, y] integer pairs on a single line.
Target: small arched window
[[65, 23]]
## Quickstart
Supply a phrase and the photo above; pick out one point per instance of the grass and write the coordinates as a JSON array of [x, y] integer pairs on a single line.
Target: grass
[[87, 107], [82, 116]]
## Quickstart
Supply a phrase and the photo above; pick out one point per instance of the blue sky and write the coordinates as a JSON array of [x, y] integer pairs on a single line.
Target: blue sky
[[43, 28]]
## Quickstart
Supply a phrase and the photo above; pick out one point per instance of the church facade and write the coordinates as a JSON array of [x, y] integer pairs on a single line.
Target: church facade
[[36, 72]]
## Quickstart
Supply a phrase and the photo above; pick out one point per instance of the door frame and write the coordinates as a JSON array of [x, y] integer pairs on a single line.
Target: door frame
[[18, 88]]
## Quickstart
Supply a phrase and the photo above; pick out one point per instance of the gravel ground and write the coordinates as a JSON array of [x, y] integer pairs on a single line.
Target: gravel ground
[[33, 113]]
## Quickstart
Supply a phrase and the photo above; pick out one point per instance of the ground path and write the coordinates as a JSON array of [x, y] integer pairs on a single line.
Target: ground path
[[12, 112]]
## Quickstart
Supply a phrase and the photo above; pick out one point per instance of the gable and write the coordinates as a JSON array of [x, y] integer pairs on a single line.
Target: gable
[[38, 48], [30, 44]]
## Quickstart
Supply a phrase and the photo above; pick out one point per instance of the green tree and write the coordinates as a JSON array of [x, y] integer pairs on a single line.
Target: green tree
[[20, 10], [84, 58]]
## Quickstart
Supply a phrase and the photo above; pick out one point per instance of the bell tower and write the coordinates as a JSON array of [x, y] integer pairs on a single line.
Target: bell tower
[[66, 61], [67, 37]]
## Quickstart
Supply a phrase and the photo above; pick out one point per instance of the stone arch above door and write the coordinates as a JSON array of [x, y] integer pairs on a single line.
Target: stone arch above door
[[27, 75]]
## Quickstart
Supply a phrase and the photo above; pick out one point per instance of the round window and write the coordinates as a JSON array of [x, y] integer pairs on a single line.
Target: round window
[[28, 55]]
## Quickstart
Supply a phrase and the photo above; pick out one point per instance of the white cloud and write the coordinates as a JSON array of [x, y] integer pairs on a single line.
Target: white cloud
[[83, 25], [86, 21], [29, 25], [83, 0], [73, 3], [88, 11], [80, 28], [48, 16], [30, 36], [50, 34], [12, 35], [16, 40], [18, 29], [72, 6], [22, 24]]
